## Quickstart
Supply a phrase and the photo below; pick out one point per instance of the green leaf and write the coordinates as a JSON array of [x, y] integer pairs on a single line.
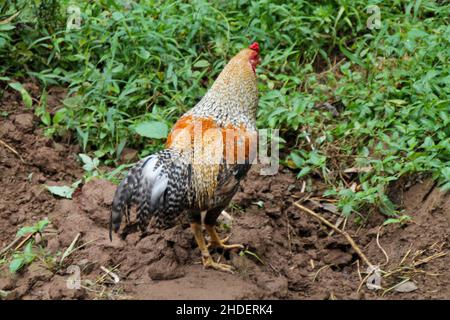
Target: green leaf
[[353, 57], [73, 102], [398, 102], [16, 264], [402, 219], [316, 159], [445, 187], [64, 191], [24, 93], [40, 226], [84, 135], [346, 210], [7, 27], [59, 115], [330, 192], [298, 161], [201, 64], [304, 172], [26, 230], [46, 119], [152, 129], [144, 54], [2, 44], [89, 163], [28, 254], [446, 173], [117, 16]]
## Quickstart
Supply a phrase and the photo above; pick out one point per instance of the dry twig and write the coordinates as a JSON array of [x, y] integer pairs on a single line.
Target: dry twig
[[381, 248], [12, 150], [344, 233]]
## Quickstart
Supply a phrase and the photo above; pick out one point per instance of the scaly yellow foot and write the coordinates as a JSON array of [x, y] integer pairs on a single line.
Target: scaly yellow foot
[[216, 242], [207, 260]]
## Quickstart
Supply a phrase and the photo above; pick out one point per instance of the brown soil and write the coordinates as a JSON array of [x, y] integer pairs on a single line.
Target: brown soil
[[290, 255]]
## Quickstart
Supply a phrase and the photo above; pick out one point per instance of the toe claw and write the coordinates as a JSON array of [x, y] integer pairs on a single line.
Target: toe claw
[[233, 246], [209, 263], [224, 246]]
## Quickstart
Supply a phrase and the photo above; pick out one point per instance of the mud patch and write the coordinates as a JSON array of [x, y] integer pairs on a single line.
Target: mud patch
[[288, 254]]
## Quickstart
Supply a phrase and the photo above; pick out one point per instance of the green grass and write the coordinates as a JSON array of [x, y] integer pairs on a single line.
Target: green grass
[[131, 68]]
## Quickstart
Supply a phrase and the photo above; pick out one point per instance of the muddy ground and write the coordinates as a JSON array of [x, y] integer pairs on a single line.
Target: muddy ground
[[290, 255]]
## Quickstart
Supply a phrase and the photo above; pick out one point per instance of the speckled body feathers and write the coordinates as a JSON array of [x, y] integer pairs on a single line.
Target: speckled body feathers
[[190, 176]]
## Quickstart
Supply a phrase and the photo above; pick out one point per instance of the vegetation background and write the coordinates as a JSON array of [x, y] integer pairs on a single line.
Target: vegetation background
[[359, 89]]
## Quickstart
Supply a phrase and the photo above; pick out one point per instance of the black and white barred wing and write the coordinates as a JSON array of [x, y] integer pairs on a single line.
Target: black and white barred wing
[[158, 185]]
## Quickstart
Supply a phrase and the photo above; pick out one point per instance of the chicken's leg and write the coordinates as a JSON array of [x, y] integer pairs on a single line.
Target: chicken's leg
[[207, 260], [216, 242]]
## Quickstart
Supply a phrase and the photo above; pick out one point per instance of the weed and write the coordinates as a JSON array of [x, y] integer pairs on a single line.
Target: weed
[[29, 253], [342, 94], [252, 254]]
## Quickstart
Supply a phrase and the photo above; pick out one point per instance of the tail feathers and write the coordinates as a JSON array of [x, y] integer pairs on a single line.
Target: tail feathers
[[124, 197], [158, 185]]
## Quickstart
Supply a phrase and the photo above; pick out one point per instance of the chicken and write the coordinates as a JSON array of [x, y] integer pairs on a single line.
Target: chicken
[[208, 152]]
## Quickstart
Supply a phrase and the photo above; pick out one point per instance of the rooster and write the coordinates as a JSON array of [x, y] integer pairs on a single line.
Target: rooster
[[207, 153]]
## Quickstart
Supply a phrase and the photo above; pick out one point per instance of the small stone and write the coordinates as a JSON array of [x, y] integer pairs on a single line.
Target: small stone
[[128, 155], [6, 283], [338, 257], [273, 212], [39, 272], [164, 269], [24, 121]]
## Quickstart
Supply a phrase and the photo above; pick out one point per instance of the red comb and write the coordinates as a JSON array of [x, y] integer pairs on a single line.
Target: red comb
[[254, 46]]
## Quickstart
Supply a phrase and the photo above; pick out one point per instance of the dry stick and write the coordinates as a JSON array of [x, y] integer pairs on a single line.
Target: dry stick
[[12, 150], [412, 267], [111, 274], [345, 224], [359, 271], [344, 233], [381, 248], [436, 243], [318, 271], [337, 224], [362, 282], [273, 269], [69, 250], [322, 199], [24, 240], [9, 246], [406, 255], [309, 140], [428, 259], [332, 69], [342, 178], [102, 277], [395, 286], [8, 20], [303, 186], [418, 253], [288, 233]]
